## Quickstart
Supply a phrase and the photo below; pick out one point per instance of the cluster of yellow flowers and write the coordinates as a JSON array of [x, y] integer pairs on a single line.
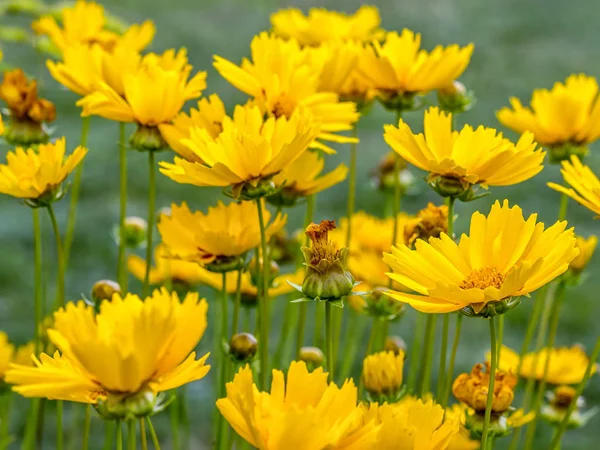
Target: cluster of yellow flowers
[[308, 80]]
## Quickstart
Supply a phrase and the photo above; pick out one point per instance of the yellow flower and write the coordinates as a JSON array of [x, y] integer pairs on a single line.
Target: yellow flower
[[586, 251], [585, 186], [221, 236], [472, 389], [411, 424], [11, 354], [567, 365], [20, 95], [209, 116], [431, 221], [383, 372], [246, 155], [281, 81], [302, 178], [304, 412], [336, 63], [38, 174], [122, 356], [503, 256], [472, 424], [457, 160], [1, 126], [461, 440], [569, 113], [399, 68], [166, 269], [322, 25], [84, 22]]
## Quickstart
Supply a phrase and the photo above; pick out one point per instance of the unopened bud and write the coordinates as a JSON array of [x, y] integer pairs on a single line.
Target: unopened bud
[[243, 347], [312, 356], [147, 139], [104, 290], [395, 344]]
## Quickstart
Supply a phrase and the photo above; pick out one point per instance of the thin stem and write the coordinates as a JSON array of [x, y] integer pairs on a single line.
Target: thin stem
[[38, 295], [351, 186], [59, 425], [143, 434], [121, 266], [443, 350], [415, 353], [264, 303], [108, 435], [151, 216], [329, 338], [451, 201], [397, 188], [318, 337], [537, 404], [221, 424], [372, 336], [450, 374], [492, 374], [31, 425], [75, 187], [338, 316], [119, 435], [284, 334], [500, 335], [174, 422], [533, 323], [86, 427], [428, 356], [301, 326], [564, 202], [555, 444], [237, 304], [352, 336], [5, 407], [60, 282], [131, 434], [153, 434]]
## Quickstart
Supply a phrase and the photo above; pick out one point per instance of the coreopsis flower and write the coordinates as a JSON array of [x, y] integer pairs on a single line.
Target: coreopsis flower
[[503, 257], [457, 161], [567, 364], [313, 357], [585, 186], [472, 390], [281, 80], [247, 154], [327, 276], [382, 376], [209, 116], [179, 273], [303, 178], [28, 112], [430, 222], [461, 440], [219, 239], [565, 118], [586, 251], [9, 353], [321, 25], [37, 175], [152, 95], [304, 412], [411, 424], [398, 69], [131, 350], [558, 402], [85, 23], [384, 175]]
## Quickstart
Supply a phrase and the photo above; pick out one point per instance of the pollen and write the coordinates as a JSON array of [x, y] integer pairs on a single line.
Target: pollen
[[321, 246], [483, 278]]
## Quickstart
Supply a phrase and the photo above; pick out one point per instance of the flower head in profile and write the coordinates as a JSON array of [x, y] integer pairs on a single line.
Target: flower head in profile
[[9, 353], [37, 175], [398, 68], [281, 80], [121, 357], [503, 257], [302, 411], [586, 247], [303, 178], [565, 118], [567, 365], [411, 424], [321, 25], [86, 23], [456, 161], [218, 239], [557, 406], [246, 155], [584, 184], [382, 375], [430, 222]]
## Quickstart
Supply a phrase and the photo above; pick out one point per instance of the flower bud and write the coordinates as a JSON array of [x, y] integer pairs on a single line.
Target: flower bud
[[398, 101], [136, 230], [104, 290], [381, 306], [384, 175], [282, 249], [429, 222], [312, 356], [586, 249], [147, 139], [382, 376], [256, 272], [558, 403], [395, 344], [243, 347], [455, 98], [451, 187], [25, 133]]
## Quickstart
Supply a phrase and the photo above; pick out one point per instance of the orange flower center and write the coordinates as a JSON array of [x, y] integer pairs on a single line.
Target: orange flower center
[[483, 278], [321, 246]]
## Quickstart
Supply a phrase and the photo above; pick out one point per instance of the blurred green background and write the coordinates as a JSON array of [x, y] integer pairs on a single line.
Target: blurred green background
[[519, 46]]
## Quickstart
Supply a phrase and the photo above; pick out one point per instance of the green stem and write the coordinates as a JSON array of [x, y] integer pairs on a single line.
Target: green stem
[[131, 434], [338, 316], [415, 353], [443, 350], [38, 295], [174, 421], [75, 187], [31, 425], [86, 427], [428, 356], [329, 338], [500, 336], [264, 303], [533, 323], [555, 444], [283, 336], [238, 302], [352, 336], [564, 202], [5, 407], [59, 425], [450, 374], [301, 326], [153, 435], [143, 434], [537, 404], [119, 435], [351, 187], [60, 283], [151, 216], [318, 337], [108, 435], [372, 336], [222, 425], [451, 201], [122, 277], [490, 396]]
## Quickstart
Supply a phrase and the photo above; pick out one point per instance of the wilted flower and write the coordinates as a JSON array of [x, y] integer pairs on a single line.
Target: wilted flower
[[430, 222]]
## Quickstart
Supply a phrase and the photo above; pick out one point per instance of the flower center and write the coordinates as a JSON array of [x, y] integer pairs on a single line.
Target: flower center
[[321, 246], [483, 278]]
